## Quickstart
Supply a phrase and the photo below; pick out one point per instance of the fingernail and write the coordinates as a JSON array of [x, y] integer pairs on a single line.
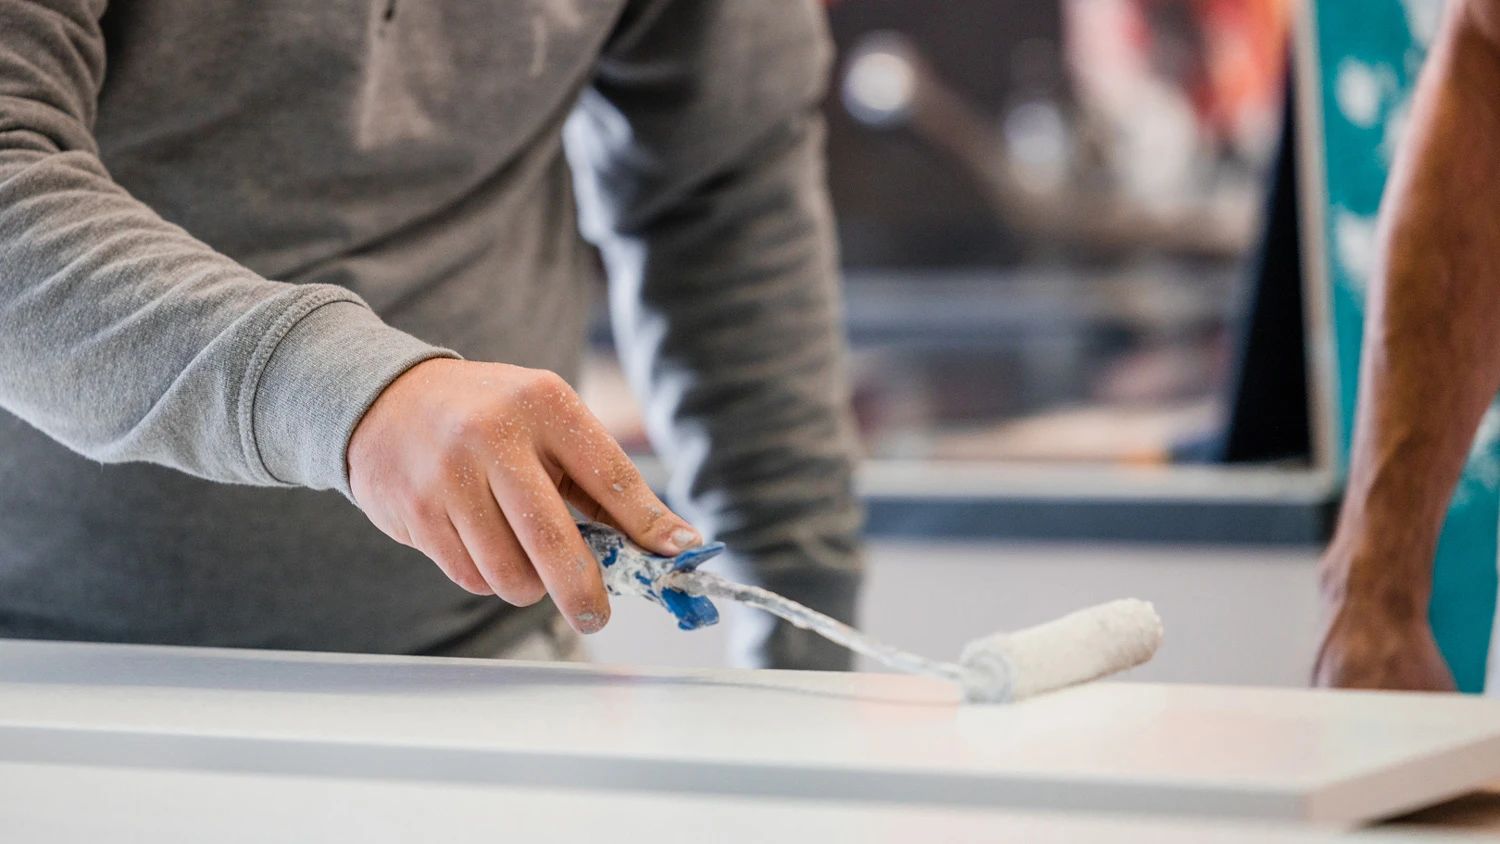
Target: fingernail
[[589, 622], [685, 538]]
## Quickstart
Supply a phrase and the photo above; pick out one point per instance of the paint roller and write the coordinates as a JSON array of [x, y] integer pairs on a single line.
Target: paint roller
[[1003, 667]]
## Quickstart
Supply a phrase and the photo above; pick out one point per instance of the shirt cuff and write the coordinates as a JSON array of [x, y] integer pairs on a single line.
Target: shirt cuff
[[321, 377]]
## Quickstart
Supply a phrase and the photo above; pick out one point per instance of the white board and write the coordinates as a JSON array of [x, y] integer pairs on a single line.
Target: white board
[[74, 804], [1111, 747]]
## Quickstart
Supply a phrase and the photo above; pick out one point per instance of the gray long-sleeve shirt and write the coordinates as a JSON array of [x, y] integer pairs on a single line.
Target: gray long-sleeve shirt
[[225, 228]]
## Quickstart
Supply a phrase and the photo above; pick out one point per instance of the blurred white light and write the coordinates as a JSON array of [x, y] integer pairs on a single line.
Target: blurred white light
[[880, 83], [1354, 239], [1423, 18], [1357, 89], [1040, 145]]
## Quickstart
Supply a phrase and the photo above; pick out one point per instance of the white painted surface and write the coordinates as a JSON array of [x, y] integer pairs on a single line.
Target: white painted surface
[[71, 804], [1106, 747], [1232, 616]]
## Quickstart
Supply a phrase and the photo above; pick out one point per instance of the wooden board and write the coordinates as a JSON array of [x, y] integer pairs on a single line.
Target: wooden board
[[1111, 747], [75, 804]]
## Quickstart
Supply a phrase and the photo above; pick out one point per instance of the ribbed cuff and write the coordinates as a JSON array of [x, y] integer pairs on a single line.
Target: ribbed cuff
[[325, 372]]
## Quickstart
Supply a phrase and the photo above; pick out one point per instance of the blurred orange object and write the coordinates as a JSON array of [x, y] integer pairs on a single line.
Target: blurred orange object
[[1246, 44], [1227, 56]]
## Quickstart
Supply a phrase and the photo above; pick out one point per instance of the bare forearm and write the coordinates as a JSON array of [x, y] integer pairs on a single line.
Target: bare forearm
[[1432, 343], [1431, 366]]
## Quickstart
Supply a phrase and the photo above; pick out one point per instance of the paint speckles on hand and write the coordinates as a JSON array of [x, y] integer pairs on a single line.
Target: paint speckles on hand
[[590, 622]]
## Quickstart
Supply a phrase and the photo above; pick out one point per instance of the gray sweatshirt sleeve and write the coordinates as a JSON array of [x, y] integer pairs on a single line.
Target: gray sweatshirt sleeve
[[128, 340], [698, 160]]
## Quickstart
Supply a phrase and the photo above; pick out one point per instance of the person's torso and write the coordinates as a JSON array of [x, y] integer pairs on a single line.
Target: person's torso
[[399, 147], [407, 149]]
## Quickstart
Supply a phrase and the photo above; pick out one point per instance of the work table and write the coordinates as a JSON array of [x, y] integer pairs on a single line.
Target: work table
[[196, 737]]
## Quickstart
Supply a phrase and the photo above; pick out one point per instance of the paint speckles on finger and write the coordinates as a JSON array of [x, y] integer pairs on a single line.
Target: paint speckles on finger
[[685, 538], [617, 488], [591, 622]]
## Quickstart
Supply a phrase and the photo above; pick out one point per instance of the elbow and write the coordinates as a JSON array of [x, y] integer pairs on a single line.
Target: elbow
[[821, 58], [795, 54], [819, 54], [32, 125], [1482, 17]]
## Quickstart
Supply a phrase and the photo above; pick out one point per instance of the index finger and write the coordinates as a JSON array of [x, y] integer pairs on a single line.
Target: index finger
[[549, 535], [596, 464]]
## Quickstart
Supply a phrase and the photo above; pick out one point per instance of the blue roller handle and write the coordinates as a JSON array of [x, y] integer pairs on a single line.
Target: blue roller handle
[[631, 569]]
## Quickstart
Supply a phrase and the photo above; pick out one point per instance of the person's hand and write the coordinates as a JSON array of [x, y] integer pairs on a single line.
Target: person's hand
[[1376, 641], [1363, 650], [471, 463]]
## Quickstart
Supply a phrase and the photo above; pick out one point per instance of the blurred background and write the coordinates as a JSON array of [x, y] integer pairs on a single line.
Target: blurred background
[[1105, 264], [1074, 302], [1046, 212]]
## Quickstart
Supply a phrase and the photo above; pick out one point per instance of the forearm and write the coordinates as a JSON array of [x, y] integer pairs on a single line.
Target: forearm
[[747, 387], [715, 224], [127, 339], [1431, 363], [747, 378]]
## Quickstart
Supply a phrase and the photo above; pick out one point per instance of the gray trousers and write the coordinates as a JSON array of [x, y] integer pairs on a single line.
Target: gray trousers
[[553, 642]]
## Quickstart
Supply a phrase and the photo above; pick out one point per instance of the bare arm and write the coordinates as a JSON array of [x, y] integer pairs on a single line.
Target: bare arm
[[1431, 366]]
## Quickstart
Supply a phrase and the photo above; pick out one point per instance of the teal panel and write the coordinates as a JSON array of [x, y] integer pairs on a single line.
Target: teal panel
[[1369, 55]]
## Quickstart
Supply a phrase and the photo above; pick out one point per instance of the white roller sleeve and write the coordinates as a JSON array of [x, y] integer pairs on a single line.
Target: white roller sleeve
[[1076, 648]]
